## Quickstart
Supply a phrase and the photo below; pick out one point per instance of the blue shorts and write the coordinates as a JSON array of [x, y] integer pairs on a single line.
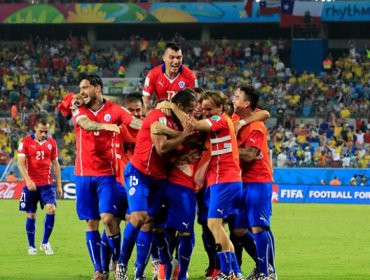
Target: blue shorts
[[95, 195], [46, 194], [121, 202], [256, 207], [202, 205], [225, 199], [181, 207], [143, 193]]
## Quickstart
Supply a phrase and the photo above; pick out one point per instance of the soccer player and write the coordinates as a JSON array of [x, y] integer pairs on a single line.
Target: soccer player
[[124, 149], [165, 80], [257, 186], [223, 175], [36, 154], [95, 124], [144, 176]]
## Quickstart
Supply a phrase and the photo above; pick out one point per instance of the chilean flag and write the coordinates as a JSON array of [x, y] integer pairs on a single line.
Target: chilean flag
[[293, 12], [248, 7], [268, 7]]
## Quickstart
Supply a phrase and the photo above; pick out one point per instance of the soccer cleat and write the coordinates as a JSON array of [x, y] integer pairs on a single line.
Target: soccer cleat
[[252, 275], [105, 275], [223, 276], [161, 271], [174, 265], [32, 251], [216, 271], [239, 276], [155, 267], [272, 273], [98, 276], [46, 248], [262, 276], [175, 269], [121, 272], [140, 278]]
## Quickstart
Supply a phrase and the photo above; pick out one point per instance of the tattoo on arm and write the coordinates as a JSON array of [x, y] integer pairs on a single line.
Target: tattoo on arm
[[88, 124]]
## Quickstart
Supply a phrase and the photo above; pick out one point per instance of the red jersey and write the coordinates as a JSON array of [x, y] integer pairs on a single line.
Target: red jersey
[[145, 157], [224, 164], [259, 170], [158, 83], [95, 149], [124, 149], [39, 156]]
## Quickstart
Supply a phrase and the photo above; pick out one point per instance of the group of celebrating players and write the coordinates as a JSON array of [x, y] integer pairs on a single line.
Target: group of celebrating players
[[193, 151]]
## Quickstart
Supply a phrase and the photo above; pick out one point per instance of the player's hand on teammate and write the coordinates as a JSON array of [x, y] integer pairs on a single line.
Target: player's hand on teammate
[[111, 127], [158, 128], [31, 185], [188, 124], [165, 107]]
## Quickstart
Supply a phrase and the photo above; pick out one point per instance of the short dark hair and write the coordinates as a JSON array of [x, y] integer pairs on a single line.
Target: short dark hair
[[134, 97], [251, 95], [94, 80], [41, 119], [173, 46], [184, 97]]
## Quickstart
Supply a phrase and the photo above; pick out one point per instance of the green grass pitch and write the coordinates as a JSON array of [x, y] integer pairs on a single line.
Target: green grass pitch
[[312, 242]]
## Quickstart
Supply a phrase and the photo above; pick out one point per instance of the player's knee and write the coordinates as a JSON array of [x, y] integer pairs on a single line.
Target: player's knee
[[31, 216], [50, 209], [138, 219], [239, 232], [185, 233], [256, 230]]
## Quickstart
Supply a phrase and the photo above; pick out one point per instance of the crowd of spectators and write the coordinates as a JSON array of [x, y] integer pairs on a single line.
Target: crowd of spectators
[[333, 129]]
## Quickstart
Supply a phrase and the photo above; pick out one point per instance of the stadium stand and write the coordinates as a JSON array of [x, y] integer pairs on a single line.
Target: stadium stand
[[336, 97]]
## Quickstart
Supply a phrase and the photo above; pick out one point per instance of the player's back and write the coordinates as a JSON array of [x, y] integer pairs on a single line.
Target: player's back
[[258, 170], [145, 157]]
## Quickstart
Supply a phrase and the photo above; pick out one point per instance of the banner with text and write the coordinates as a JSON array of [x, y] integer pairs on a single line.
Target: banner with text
[[321, 194]]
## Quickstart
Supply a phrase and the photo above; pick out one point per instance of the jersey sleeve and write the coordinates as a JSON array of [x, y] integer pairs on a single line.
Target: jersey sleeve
[[22, 148], [149, 83], [254, 139], [54, 152], [216, 123], [124, 115]]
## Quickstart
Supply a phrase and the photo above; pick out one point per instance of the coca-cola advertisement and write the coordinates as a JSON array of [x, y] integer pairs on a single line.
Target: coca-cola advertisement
[[13, 190]]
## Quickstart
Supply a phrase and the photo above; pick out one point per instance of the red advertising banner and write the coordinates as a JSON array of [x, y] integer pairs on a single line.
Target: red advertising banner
[[11, 190]]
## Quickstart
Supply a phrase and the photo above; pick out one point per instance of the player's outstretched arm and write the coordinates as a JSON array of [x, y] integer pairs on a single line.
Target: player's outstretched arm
[[201, 125], [87, 124], [260, 115]]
